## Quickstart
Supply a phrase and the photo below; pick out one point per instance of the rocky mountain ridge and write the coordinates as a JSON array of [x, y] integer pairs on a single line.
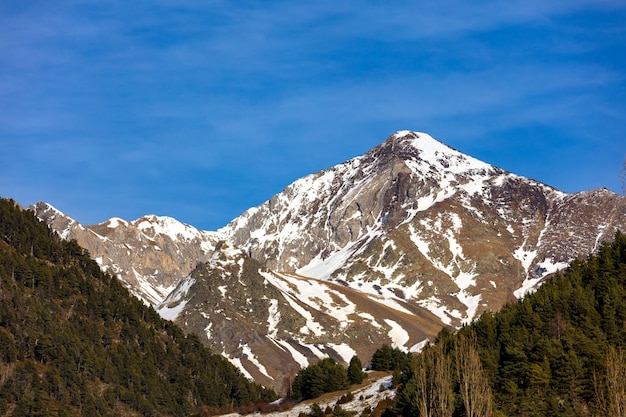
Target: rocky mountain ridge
[[384, 248], [150, 255]]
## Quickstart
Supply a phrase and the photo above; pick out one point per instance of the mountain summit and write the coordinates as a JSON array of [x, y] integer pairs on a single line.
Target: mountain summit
[[384, 248]]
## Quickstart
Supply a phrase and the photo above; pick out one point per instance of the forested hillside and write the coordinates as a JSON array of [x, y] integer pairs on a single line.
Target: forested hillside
[[74, 342], [557, 352]]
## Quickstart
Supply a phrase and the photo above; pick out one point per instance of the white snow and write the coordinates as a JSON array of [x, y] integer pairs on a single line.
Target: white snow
[[150, 293], [416, 348], [315, 294], [531, 283], [344, 350], [399, 337], [207, 329], [66, 232], [152, 225], [472, 302], [444, 158], [370, 318], [300, 359], [323, 268], [222, 290], [176, 300], [435, 306], [526, 257], [237, 363], [311, 325], [115, 222], [171, 313], [273, 318]]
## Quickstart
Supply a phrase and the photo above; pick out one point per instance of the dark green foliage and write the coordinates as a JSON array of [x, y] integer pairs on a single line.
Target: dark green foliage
[[387, 358], [345, 398], [543, 353], [316, 411], [355, 371], [315, 380], [73, 341]]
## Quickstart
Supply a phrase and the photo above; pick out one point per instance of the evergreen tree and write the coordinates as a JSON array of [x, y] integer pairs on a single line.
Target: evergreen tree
[[355, 371], [315, 380]]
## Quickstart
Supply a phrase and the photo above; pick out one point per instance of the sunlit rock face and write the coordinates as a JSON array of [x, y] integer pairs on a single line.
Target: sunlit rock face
[[150, 255]]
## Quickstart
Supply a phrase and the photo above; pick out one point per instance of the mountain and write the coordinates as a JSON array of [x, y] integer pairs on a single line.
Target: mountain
[[149, 255], [74, 341], [387, 247]]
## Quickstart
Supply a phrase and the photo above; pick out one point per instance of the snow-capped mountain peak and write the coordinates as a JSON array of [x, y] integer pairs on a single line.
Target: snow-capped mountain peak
[[432, 154], [153, 225]]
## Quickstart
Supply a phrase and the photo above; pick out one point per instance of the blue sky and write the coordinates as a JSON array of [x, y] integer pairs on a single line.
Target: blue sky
[[201, 109]]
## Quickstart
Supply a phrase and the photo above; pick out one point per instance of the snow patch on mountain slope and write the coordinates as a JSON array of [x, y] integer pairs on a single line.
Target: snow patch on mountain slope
[[298, 357], [435, 306], [389, 301], [399, 337], [236, 361], [525, 256], [546, 267], [370, 318], [151, 294], [472, 303], [174, 304], [273, 318], [163, 225], [115, 222], [344, 351]]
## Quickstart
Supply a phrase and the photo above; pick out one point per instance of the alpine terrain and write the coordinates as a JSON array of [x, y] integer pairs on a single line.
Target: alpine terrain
[[387, 247]]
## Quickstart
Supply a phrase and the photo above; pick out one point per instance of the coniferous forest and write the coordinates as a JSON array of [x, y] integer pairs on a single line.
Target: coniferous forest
[[73, 341], [558, 352]]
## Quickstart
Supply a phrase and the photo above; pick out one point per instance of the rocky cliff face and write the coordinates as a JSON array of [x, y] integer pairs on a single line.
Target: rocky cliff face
[[384, 248], [150, 255]]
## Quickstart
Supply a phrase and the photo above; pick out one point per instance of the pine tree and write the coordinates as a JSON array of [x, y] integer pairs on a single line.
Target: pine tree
[[355, 371]]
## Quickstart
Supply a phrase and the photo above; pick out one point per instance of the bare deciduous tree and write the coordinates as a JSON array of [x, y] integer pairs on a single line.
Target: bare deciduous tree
[[433, 376], [473, 379], [442, 376], [611, 394], [616, 382], [422, 385]]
